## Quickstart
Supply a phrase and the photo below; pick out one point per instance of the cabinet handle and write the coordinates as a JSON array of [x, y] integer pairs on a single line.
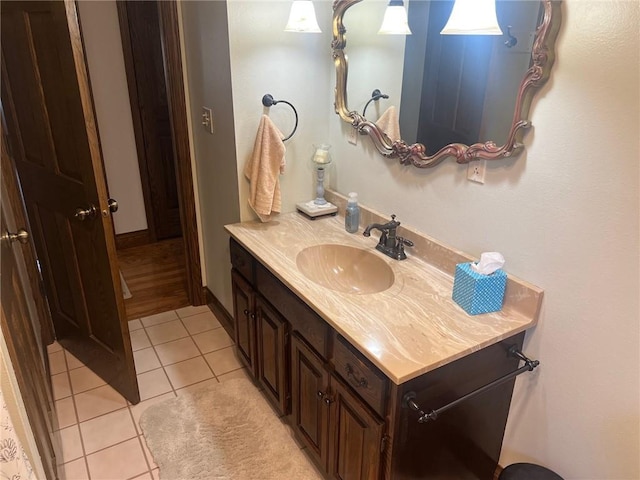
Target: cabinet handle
[[320, 394], [246, 312], [362, 382], [328, 400], [253, 316]]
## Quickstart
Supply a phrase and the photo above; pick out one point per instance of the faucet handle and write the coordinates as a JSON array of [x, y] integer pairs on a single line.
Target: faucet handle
[[403, 241]]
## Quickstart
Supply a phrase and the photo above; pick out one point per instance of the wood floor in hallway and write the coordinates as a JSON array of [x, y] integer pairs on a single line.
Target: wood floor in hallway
[[156, 276]]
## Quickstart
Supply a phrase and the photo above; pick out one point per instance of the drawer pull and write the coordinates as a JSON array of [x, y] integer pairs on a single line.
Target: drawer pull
[[362, 382]]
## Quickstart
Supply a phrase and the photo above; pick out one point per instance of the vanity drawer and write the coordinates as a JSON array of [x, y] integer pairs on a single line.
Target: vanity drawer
[[302, 319], [242, 260], [364, 377]]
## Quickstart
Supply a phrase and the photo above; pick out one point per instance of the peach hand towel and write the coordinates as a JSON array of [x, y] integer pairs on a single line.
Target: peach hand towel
[[263, 170], [390, 124]]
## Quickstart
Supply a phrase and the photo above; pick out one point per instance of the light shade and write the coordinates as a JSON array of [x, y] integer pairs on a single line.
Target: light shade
[[473, 17], [395, 20], [302, 18]]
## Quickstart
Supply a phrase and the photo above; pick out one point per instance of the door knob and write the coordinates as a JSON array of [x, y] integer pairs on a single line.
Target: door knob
[[113, 205], [21, 236], [84, 213]]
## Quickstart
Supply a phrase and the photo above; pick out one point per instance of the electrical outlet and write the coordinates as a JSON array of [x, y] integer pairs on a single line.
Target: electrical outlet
[[476, 170], [353, 136], [207, 119]]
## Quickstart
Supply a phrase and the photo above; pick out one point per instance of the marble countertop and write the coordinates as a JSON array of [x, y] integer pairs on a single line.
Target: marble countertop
[[407, 330]]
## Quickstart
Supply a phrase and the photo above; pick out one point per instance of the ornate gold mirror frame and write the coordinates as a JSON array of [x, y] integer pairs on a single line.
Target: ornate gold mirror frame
[[542, 59]]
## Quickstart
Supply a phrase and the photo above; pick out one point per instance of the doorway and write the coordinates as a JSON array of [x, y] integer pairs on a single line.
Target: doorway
[[158, 255], [154, 270]]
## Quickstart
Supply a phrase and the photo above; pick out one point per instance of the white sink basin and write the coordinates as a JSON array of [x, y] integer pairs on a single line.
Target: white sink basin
[[345, 269]]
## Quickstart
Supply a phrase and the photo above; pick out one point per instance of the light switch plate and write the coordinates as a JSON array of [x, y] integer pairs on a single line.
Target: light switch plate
[[207, 119]]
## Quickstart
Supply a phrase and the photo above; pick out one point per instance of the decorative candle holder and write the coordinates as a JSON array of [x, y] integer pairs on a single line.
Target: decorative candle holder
[[319, 207], [322, 159]]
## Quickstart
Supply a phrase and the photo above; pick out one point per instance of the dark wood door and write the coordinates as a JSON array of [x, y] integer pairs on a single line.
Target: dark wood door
[[245, 320], [356, 436], [21, 328], [142, 44], [309, 385], [54, 142], [272, 333], [454, 83]]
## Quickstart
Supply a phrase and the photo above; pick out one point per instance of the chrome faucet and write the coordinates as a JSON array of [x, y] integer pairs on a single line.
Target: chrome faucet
[[390, 243]]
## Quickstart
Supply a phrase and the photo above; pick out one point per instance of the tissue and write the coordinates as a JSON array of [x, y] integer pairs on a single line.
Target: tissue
[[489, 263]]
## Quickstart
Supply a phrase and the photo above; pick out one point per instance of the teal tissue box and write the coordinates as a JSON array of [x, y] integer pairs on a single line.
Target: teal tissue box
[[477, 293]]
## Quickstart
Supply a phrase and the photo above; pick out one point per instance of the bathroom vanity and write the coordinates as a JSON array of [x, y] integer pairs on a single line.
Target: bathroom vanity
[[341, 365]]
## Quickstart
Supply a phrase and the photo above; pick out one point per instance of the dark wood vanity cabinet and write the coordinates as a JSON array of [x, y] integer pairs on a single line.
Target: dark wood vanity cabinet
[[352, 419], [262, 341], [272, 339], [245, 320], [332, 398], [340, 432], [310, 413]]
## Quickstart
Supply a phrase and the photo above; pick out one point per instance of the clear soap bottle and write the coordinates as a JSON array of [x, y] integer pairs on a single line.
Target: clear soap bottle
[[352, 214]]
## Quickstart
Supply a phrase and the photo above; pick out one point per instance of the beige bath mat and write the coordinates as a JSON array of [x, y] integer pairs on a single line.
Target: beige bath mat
[[226, 431]]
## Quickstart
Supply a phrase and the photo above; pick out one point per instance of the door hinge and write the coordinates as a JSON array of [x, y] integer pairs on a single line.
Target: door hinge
[[383, 443]]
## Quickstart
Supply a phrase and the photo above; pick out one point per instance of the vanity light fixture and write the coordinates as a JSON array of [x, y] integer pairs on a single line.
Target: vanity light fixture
[[395, 20], [302, 18], [473, 17]]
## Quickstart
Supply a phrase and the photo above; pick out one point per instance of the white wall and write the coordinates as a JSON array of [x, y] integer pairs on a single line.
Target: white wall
[[290, 66], [103, 46], [565, 215], [206, 42]]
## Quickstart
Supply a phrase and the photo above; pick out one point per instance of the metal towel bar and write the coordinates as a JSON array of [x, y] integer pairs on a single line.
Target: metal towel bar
[[408, 401]]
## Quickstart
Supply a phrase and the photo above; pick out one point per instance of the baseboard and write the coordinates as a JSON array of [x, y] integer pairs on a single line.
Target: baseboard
[[132, 239], [220, 312]]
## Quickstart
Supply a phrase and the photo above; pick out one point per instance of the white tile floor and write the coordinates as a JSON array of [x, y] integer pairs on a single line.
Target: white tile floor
[[98, 431]]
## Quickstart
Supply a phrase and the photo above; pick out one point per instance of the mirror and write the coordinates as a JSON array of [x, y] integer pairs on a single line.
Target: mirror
[[428, 104]]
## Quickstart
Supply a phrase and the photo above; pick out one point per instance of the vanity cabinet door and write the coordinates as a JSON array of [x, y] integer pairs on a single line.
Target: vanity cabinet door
[[273, 346], [245, 320], [310, 412], [355, 436]]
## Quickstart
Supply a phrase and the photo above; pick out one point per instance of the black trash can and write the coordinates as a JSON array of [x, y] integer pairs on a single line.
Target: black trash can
[[528, 471]]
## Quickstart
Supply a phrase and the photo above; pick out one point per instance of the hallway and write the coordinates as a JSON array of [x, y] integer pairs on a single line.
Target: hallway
[[156, 276]]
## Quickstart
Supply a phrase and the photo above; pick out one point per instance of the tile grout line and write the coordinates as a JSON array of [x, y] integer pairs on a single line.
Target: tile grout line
[[139, 435], [75, 410], [129, 406], [73, 400]]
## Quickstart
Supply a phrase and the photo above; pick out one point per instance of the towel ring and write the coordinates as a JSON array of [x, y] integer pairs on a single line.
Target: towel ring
[[268, 100], [375, 95]]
